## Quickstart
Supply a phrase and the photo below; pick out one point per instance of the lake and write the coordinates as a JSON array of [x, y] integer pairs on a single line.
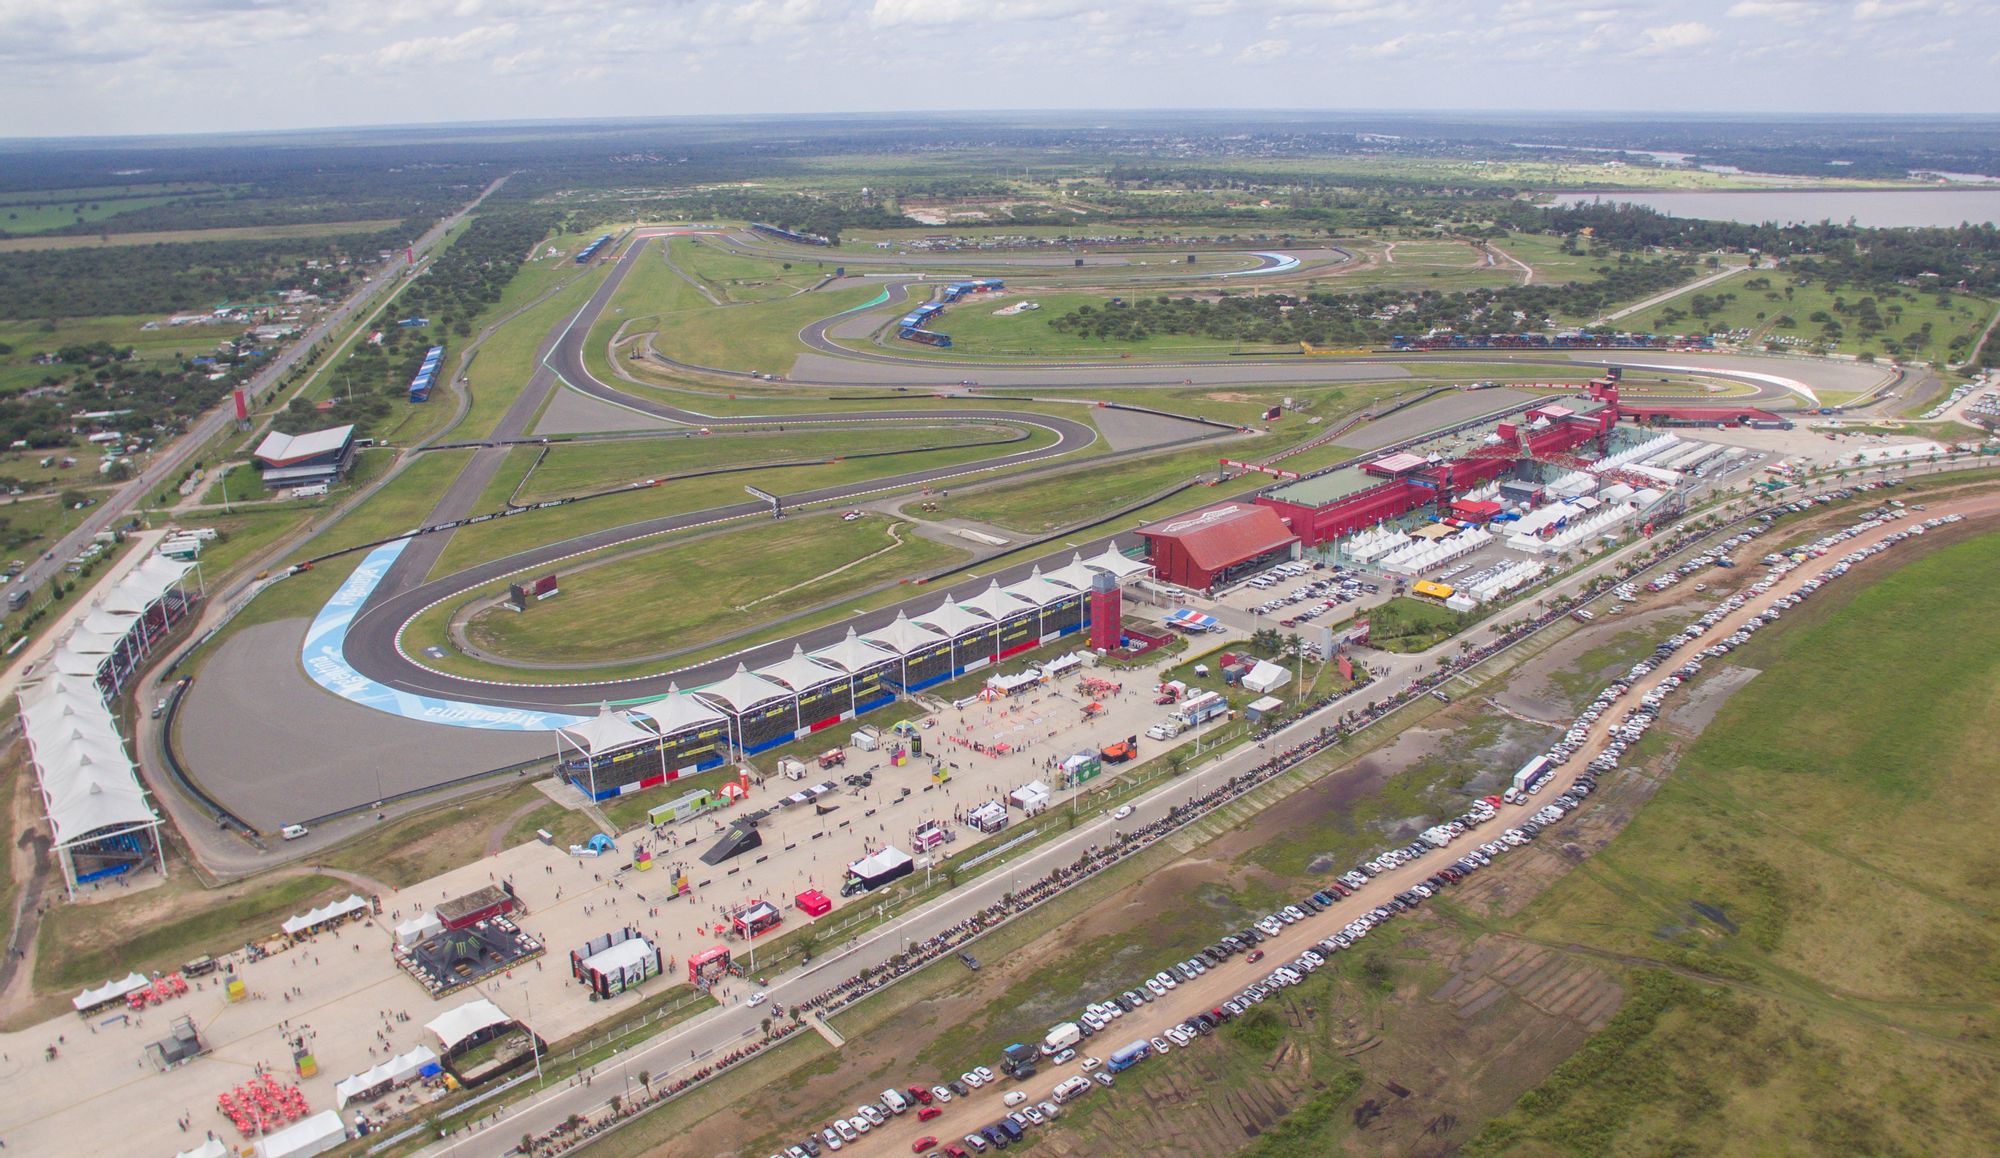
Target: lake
[[1880, 208]]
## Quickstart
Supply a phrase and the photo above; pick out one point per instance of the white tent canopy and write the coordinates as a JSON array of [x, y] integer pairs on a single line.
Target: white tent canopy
[[852, 655], [213, 1148], [394, 1072], [799, 672], [995, 603], [1075, 574], [109, 991], [1117, 563], [952, 619], [619, 957], [903, 636], [1039, 590], [320, 916], [607, 731], [677, 710], [421, 927], [743, 690], [455, 1025], [1266, 676], [305, 1137]]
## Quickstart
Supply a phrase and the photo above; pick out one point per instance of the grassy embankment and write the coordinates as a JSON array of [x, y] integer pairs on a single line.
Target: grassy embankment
[[1816, 885]]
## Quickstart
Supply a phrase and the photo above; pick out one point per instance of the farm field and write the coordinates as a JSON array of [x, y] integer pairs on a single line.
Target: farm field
[[1813, 873], [695, 589]]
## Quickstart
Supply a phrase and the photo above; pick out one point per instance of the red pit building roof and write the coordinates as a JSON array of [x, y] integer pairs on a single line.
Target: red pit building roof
[[1402, 462], [1195, 546]]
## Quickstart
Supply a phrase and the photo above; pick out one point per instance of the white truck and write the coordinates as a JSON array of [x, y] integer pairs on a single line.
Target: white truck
[[1060, 1038], [1528, 779], [1166, 729]]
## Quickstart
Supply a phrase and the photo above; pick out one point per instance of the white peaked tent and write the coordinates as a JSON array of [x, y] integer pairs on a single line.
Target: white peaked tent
[[800, 672], [996, 604], [902, 636], [394, 1072], [853, 654], [607, 731], [90, 791], [456, 1025], [952, 619], [677, 711]]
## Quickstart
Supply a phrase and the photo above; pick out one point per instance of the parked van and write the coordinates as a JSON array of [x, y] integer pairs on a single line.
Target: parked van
[[896, 1102], [293, 831], [1071, 1089]]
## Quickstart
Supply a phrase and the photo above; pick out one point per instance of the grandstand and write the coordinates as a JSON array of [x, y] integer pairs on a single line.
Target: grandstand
[[911, 328], [791, 235], [590, 251], [108, 643], [617, 752], [104, 825], [420, 386], [982, 285]]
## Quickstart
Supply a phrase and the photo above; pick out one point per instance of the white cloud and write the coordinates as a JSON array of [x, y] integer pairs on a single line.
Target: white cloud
[[1886, 9], [1671, 38], [1789, 11], [1263, 51]]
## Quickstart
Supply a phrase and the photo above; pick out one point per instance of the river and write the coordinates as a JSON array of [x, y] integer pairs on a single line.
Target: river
[[1880, 208]]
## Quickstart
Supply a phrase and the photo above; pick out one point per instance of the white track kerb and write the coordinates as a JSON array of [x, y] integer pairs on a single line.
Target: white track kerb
[[328, 667]]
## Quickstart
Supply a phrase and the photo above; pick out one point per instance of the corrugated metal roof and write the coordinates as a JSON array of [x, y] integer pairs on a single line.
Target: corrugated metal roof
[[1225, 534]]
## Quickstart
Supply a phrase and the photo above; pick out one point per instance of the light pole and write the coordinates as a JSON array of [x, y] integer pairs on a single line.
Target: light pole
[[534, 1044]]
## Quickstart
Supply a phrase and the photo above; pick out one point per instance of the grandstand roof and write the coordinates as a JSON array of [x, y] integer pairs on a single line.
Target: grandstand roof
[[853, 654], [1039, 590], [996, 603], [902, 636], [951, 618], [88, 784], [605, 732], [1402, 462], [799, 672], [144, 584], [743, 690], [1116, 563], [1076, 573], [677, 711]]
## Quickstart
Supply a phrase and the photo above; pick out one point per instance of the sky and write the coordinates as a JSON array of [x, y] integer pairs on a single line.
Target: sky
[[90, 67]]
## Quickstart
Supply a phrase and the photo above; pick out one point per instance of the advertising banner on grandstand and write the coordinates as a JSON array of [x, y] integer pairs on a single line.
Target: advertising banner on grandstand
[[326, 664]]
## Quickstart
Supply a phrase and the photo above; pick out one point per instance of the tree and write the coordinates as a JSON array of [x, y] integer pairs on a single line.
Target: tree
[[646, 1080]]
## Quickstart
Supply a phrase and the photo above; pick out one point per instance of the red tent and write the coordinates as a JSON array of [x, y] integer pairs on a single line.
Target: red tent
[[815, 903]]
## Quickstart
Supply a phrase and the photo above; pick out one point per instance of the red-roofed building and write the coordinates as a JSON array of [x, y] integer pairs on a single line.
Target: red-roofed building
[[1214, 546]]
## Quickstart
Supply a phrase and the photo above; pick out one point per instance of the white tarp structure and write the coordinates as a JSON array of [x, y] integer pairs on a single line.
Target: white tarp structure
[[109, 991], [388, 1075], [314, 918], [1639, 453], [90, 791], [455, 1025], [1030, 797], [607, 731], [620, 957], [1266, 676], [421, 927], [213, 1148], [305, 1137]]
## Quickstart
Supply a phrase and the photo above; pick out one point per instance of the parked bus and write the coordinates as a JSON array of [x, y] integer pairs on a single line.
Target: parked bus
[[1130, 1056]]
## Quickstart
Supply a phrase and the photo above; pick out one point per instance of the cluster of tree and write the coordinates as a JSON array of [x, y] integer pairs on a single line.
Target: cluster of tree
[[1372, 316], [367, 387], [471, 273], [163, 279], [210, 187], [826, 216], [1963, 255]]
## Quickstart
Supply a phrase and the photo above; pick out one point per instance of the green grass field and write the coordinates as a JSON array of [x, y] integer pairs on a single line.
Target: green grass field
[[1833, 824], [739, 277], [699, 589], [1786, 309]]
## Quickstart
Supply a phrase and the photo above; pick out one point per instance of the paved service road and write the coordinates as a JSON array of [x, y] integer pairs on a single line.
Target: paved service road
[[724, 1029]]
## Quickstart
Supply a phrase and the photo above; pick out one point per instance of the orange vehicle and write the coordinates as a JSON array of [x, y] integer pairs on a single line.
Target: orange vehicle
[[832, 757], [1121, 751]]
